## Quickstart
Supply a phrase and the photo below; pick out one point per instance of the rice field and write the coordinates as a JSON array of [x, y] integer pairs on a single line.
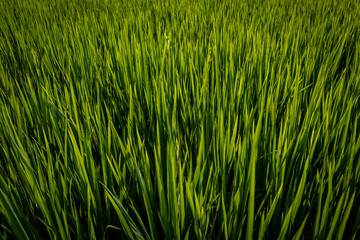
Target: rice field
[[179, 119]]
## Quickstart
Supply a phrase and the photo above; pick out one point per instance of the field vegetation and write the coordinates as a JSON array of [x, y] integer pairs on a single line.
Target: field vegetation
[[179, 119]]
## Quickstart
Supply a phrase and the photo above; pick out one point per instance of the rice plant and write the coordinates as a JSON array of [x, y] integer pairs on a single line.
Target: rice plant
[[179, 119]]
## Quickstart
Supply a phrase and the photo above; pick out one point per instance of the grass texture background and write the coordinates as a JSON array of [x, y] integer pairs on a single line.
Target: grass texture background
[[179, 119]]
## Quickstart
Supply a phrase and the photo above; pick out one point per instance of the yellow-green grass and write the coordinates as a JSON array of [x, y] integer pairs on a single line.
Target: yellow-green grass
[[179, 119]]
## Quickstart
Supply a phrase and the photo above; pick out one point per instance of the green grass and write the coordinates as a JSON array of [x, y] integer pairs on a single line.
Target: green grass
[[179, 119]]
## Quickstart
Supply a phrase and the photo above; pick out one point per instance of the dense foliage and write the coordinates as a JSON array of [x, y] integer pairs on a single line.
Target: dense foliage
[[179, 119]]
